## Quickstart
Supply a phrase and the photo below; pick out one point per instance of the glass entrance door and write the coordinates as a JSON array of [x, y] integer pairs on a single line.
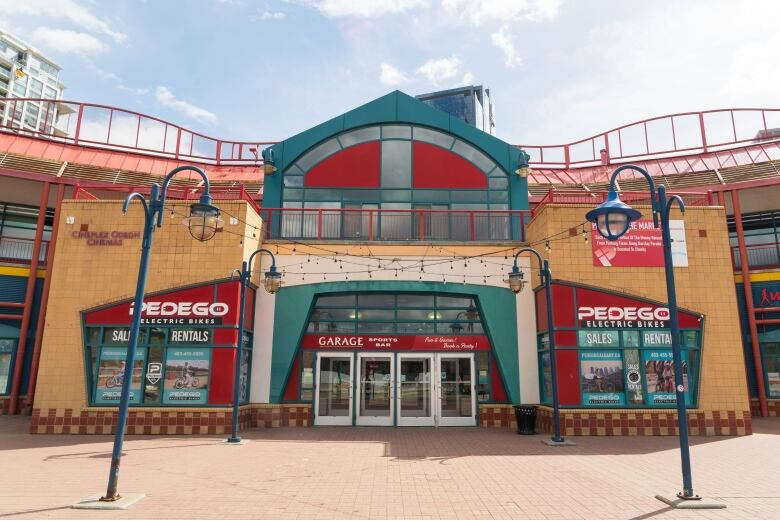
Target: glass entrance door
[[415, 390], [333, 402], [456, 404], [376, 390]]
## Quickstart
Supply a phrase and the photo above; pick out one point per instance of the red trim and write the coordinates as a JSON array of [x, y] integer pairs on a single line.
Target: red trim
[[568, 377], [293, 382], [497, 385], [28, 300], [392, 342], [354, 167], [435, 167]]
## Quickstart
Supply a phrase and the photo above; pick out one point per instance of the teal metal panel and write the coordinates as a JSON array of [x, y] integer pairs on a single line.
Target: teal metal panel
[[293, 305], [294, 146], [411, 110], [379, 110]]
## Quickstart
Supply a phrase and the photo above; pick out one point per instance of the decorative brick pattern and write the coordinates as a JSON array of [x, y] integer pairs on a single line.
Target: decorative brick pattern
[[645, 422], [167, 421], [497, 416], [773, 407]]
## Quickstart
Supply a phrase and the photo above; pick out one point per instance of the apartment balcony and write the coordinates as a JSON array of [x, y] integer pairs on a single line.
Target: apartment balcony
[[395, 225]]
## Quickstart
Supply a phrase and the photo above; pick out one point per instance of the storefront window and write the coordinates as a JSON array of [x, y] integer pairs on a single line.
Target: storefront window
[[772, 368], [7, 350]]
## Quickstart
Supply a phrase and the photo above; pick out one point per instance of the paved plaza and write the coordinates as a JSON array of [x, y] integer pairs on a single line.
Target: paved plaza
[[322, 473]]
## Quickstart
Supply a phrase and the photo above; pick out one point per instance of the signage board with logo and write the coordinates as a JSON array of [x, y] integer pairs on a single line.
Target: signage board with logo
[[659, 377], [641, 246], [601, 378], [187, 376], [394, 342]]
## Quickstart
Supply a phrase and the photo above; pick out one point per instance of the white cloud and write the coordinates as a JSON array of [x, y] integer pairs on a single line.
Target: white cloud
[[504, 41], [468, 79], [64, 9], [441, 69], [267, 15], [64, 41], [478, 11], [391, 76], [361, 8], [166, 98]]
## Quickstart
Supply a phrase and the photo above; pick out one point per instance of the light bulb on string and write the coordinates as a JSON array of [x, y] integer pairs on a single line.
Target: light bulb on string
[[396, 273], [308, 258], [547, 246]]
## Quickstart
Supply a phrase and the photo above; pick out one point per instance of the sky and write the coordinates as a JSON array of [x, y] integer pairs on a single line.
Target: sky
[[558, 70]]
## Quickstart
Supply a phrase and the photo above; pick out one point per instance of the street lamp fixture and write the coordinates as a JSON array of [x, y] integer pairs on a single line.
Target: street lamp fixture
[[613, 219], [272, 283], [203, 222], [517, 282], [269, 165], [523, 169]]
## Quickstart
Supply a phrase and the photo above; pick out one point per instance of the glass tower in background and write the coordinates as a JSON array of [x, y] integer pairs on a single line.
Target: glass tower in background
[[26, 73], [471, 104]]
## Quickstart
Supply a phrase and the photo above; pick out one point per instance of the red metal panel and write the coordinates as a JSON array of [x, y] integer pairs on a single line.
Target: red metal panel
[[541, 311], [435, 167], [223, 363], [497, 385], [565, 338], [563, 313], [355, 167], [568, 377], [293, 382]]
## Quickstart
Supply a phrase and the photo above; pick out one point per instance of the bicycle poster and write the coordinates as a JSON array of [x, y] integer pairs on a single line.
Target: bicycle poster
[[659, 377], [187, 376], [601, 378], [111, 374]]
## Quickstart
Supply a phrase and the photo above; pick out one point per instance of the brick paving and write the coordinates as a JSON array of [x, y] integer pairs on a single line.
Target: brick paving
[[324, 473]]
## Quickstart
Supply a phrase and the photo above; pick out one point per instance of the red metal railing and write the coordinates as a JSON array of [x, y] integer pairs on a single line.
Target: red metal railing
[[685, 133], [638, 198], [97, 191], [19, 250], [394, 224], [668, 136], [102, 126], [758, 255]]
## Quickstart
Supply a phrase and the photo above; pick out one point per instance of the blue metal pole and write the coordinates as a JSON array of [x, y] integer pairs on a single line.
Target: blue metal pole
[[682, 419], [124, 400], [546, 277], [234, 438]]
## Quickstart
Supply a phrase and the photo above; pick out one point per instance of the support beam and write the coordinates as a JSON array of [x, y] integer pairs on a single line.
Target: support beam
[[29, 296], [751, 310]]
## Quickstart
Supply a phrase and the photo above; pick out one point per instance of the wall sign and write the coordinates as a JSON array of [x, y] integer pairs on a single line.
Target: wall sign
[[641, 246], [105, 238], [622, 316], [394, 342]]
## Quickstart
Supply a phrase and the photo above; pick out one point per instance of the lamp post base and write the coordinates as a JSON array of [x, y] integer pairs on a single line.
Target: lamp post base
[[562, 442], [677, 501], [234, 441], [122, 502]]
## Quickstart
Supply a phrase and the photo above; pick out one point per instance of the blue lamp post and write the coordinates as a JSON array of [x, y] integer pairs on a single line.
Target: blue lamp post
[[203, 222], [613, 218], [271, 283], [517, 282]]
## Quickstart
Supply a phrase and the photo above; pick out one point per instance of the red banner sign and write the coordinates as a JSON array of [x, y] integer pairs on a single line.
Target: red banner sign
[[641, 246], [393, 342]]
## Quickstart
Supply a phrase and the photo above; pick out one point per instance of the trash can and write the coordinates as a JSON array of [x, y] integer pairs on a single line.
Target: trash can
[[526, 419]]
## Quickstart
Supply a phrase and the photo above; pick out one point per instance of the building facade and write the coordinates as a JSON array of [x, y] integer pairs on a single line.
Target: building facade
[[395, 226], [472, 104]]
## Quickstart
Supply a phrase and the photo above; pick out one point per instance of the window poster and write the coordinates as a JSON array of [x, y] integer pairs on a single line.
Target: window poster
[[6, 354], [634, 393], [601, 378], [773, 380], [546, 378], [111, 374], [187, 376], [659, 377], [244, 375]]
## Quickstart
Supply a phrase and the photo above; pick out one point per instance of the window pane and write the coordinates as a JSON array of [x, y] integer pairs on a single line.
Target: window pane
[[415, 328], [498, 183], [454, 301], [370, 327], [341, 300], [376, 300], [414, 314], [293, 180], [396, 132], [470, 196], [433, 137], [415, 300], [360, 135], [472, 154], [396, 164], [377, 314], [397, 195], [322, 151]]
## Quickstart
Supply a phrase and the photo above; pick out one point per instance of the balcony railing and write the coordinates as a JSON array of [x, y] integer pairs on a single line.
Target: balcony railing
[[636, 198], [758, 255], [395, 224], [19, 250]]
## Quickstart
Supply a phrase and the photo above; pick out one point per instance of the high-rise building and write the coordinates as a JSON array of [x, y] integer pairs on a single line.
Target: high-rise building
[[471, 104], [26, 73]]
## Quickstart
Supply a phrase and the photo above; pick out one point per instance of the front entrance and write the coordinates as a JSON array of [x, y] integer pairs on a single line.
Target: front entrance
[[404, 389]]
